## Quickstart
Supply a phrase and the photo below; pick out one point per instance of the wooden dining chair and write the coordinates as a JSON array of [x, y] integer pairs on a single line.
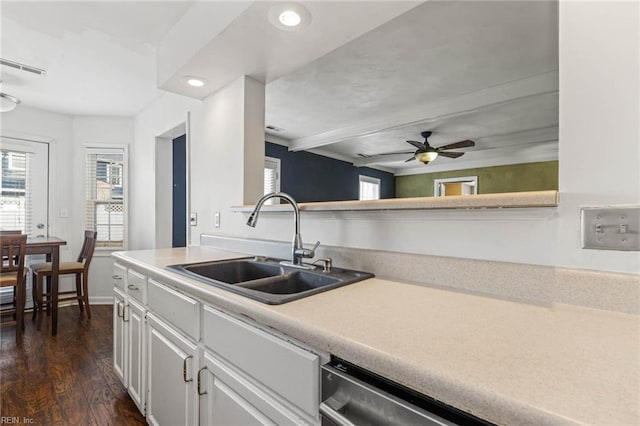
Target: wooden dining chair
[[79, 268], [12, 274]]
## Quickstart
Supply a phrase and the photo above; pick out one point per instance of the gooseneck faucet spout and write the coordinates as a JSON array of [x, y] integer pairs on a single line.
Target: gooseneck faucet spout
[[298, 252]]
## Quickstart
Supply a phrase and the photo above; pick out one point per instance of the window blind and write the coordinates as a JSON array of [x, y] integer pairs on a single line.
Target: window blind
[[15, 196], [105, 196], [369, 188], [271, 178]]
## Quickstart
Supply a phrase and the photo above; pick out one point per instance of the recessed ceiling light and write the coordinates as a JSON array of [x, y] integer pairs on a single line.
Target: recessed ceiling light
[[289, 16], [195, 81]]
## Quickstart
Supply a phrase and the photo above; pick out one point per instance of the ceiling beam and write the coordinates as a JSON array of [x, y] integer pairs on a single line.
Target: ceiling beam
[[546, 83]]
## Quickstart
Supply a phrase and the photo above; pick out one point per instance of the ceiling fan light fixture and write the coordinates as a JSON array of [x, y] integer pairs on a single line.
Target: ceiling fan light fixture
[[8, 102], [427, 156]]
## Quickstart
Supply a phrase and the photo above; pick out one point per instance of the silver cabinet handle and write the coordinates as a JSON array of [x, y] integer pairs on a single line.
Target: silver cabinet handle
[[120, 314], [116, 277], [184, 369], [200, 382], [133, 287], [125, 311], [334, 416]]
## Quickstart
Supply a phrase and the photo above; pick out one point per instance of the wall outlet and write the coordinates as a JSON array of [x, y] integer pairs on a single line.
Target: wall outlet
[[193, 219], [611, 228], [216, 219]]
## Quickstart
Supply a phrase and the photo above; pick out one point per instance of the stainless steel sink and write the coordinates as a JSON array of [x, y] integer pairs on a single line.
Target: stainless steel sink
[[234, 272], [266, 280]]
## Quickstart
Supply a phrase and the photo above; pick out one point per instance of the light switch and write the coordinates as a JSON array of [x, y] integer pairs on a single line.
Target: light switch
[[611, 228], [217, 219], [193, 219]]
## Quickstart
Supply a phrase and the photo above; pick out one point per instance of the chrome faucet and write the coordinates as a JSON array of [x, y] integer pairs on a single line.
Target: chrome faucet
[[298, 252]]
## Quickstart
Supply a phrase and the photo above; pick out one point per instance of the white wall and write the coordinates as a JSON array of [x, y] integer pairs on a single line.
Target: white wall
[[599, 77], [35, 124], [69, 135], [95, 131], [226, 154], [167, 112]]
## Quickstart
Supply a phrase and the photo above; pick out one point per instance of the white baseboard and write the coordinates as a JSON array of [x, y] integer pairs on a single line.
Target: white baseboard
[[101, 300]]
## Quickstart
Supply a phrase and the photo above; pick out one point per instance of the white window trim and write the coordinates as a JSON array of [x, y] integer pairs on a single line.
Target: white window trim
[[368, 179], [278, 163], [101, 148], [472, 180]]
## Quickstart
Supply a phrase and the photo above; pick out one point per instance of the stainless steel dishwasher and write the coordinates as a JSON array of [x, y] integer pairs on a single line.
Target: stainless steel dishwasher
[[354, 396]]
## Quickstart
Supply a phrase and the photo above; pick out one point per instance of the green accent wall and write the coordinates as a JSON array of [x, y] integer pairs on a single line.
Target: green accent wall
[[491, 180]]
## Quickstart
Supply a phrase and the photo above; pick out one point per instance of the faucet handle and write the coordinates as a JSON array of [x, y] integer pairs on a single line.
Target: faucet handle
[[306, 253], [313, 250]]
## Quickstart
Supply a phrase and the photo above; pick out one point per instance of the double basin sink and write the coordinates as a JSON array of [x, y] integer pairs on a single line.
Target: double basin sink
[[267, 280]]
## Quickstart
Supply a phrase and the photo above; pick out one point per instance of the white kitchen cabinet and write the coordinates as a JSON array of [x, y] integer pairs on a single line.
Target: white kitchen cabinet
[[137, 286], [136, 353], [284, 371], [228, 398], [120, 336], [172, 365], [169, 347]]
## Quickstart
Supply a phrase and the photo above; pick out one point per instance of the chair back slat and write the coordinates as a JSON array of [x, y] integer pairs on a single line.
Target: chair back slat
[[88, 247], [14, 250]]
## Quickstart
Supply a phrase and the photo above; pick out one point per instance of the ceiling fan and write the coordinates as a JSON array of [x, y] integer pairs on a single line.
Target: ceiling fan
[[426, 153]]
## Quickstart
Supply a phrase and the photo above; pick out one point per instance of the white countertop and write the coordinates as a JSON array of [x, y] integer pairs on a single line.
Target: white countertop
[[505, 361]]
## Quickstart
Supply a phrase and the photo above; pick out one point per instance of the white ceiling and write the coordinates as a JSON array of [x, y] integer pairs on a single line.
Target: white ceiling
[[99, 56], [344, 86], [466, 70]]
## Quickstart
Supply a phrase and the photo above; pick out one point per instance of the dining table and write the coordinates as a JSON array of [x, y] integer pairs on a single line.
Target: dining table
[[50, 247]]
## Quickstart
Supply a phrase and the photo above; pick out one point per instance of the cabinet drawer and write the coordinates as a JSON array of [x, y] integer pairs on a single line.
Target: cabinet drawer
[[179, 310], [289, 371], [119, 276], [137, 285]]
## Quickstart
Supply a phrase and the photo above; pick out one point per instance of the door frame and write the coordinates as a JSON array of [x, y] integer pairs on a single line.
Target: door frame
[[51, 181], [163, 161]]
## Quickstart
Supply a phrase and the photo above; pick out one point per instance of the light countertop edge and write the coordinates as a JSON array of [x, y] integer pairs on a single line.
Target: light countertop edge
[[480, 201]]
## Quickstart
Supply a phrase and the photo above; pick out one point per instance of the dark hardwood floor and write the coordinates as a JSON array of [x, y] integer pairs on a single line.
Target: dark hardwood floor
[[67, 379]]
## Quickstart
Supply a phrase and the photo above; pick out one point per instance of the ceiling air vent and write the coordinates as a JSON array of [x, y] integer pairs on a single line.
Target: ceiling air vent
[[22, 67]]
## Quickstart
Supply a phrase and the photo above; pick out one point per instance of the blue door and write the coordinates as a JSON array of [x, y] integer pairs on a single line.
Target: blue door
[[180, 191]]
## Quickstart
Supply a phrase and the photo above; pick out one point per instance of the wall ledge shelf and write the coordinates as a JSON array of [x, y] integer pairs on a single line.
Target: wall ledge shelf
[[467, 202]]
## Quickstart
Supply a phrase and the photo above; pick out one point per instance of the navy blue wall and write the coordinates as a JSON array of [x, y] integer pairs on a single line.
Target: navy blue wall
[[310, 177]]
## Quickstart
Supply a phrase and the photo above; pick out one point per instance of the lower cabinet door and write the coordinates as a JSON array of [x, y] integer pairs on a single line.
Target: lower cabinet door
[[134, 316], [120, 337], [232, 400], [172, 362]]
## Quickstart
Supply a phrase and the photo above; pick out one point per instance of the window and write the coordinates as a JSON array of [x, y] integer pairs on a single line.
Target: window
[[467, 185], [15, 200], [105, 195], [369, 188], [271, 178]]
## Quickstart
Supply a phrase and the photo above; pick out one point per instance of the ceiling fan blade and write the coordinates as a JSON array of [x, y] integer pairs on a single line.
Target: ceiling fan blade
[[462, 144], [451, 154], [409, 159], [394, 153], [418, 145]]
